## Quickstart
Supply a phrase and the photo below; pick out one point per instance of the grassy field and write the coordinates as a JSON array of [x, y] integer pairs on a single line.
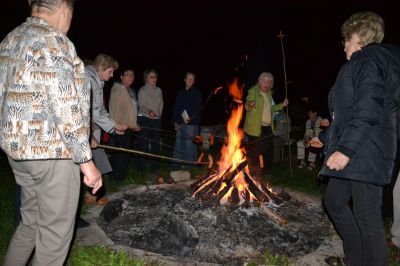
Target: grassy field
[[301, 180]]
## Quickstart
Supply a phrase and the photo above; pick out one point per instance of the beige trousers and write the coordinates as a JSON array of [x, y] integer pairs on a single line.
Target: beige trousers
[[49, 199], [301, 152]]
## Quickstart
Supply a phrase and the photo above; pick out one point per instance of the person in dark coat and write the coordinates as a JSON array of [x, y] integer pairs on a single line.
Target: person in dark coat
[[360, 143], [186, 118]]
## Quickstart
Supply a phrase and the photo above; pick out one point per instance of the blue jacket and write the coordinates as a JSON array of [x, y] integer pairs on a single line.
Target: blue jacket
[[363, 105]]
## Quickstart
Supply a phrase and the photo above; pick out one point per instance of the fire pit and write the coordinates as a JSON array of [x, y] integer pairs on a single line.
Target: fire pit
[[226, 217], [170, 222]]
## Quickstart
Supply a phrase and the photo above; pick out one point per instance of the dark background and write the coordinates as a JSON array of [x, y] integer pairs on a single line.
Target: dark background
[[218, 40]]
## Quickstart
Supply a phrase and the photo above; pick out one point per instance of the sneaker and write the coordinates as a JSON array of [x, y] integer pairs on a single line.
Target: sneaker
[[311, 167], [302, 164]]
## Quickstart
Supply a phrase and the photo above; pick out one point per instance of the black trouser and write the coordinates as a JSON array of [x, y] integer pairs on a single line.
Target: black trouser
[[149, 141], [262, 145], [360, 226], [120, 160]]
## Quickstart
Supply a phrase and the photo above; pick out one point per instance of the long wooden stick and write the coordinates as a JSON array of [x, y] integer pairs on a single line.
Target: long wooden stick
[[107, 147], [280, 36]]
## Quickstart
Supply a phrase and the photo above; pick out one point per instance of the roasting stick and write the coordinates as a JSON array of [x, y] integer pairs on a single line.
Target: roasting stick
[[107, 147], [280, 36]]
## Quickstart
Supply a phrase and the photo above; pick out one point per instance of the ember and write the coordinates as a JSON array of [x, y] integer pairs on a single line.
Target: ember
[[232, 182]]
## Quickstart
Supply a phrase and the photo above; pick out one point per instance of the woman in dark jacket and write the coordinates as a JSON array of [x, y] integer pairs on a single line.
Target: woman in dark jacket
[[360, 143]]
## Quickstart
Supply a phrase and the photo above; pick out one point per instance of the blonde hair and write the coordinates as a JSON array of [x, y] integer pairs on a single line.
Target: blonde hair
[[266, 75], [369, 26], [105, 61]]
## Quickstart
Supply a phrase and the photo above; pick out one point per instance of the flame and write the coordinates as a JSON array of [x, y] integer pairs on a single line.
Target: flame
[[231, 153], [232, 158]]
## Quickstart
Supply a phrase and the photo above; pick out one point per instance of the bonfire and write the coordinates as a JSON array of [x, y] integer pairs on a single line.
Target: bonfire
[[232, 182]]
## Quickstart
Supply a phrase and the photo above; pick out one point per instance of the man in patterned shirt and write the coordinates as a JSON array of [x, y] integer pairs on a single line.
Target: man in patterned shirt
[[45, 126]]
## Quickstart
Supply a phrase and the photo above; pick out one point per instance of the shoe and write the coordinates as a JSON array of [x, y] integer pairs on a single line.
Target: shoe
[[311, 167], [336, 261], [80, 223], [302, 164], [93, 200]]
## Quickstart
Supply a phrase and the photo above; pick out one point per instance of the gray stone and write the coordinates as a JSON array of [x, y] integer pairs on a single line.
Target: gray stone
[[180, 175]]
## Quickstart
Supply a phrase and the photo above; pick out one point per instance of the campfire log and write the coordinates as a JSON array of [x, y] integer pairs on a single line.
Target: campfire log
[[262, 193], [273, 215], [246, 203], [217, 186], [234, 199], [228, 176], [203, 181], [252, 187]]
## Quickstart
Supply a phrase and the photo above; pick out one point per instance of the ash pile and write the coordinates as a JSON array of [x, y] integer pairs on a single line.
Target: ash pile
[[171, 222]]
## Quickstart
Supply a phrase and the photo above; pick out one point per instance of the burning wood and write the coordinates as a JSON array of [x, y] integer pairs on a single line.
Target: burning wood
[[233, 183], [211, 161], [235, 186]]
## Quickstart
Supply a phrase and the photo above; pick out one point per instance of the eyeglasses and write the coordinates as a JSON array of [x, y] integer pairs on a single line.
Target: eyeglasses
[[152, 77]]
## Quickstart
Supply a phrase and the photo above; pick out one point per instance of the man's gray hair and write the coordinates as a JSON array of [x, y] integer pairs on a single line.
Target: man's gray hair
[[50, 4]]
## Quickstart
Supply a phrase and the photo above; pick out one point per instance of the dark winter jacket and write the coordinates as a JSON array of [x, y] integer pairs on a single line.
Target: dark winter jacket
[[189, 100], [363, 105]]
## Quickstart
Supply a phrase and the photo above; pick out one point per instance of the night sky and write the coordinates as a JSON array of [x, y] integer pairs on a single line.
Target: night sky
[[218, 40]]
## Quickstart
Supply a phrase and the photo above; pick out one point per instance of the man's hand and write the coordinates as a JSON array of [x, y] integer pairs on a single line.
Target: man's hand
[[93, 143], [316, 143], [91, 176], [337, 161], [137, 128], [251, 105], [120, 128], [152, 114]]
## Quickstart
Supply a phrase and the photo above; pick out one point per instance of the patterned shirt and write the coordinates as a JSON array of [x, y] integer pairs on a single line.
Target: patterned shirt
[[45, 109]]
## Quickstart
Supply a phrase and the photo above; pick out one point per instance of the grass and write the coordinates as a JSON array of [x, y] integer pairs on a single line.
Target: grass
[[302, 180], [101, 256]]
